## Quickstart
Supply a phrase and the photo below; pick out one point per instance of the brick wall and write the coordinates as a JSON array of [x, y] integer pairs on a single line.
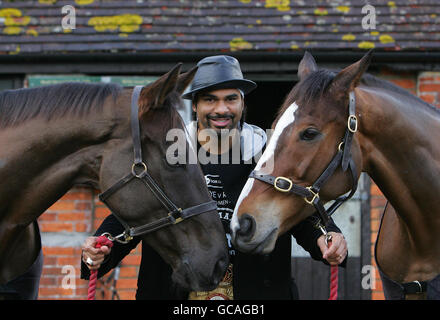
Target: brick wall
[[428, 87], [64, 226]]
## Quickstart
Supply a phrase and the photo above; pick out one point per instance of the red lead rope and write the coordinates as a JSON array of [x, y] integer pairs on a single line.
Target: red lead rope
[[333, 279], [101, 241], [333, 283]]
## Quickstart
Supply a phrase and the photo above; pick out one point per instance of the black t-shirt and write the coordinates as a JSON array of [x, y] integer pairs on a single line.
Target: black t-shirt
[[225, 180]]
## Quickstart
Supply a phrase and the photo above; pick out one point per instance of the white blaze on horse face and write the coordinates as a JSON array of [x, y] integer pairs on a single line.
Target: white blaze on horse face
[[286, 119]]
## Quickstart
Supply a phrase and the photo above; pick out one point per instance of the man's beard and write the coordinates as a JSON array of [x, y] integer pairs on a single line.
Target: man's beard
[[222, 132]]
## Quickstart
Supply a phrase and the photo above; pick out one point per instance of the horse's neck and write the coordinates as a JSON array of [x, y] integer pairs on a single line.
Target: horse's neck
[[401, 155], [41, 160]]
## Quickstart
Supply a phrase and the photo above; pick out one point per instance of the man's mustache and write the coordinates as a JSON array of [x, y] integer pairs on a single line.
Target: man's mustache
[[220, 116]]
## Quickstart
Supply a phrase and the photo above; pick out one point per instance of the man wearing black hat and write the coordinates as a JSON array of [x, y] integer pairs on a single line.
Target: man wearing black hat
[[217, 94], [228, 149]]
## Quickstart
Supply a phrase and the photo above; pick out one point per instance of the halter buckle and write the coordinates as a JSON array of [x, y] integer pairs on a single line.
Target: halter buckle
[[350, 118], [315, 195], [283, 179], [143, 167], [341, 146], [176, 220]]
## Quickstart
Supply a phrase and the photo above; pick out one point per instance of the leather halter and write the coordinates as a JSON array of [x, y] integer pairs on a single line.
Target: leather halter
[[139, 170], [311, 193]]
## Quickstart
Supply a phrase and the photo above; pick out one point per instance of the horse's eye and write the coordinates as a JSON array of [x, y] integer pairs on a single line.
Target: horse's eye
[[309, 134]]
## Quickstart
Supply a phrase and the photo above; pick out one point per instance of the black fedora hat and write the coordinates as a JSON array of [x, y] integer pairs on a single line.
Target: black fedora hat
[[219, 72]]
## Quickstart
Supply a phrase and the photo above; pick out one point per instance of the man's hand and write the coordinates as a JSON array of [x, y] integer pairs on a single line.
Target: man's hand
[[93, 257], [337, 251]]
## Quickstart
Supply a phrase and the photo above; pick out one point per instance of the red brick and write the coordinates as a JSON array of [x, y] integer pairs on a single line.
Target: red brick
[[82, 291], [47, 216], [81, 227], [373, 237], [405, 83], [78, 194], [376, 213], [426, 79], [375, 191], [68, 260], [127, 294], [430, 98], [101, 212], [50, 261], [126, 283], [374, 225], [62, 205], [377, 295], [378, 202], [372, 252], [429, 87], [60, 251], [128, 272], [132, 260], [48, 281], [54, 291], [379, 286], [83, 206], [72, 216], [96, 224], [56, 226]]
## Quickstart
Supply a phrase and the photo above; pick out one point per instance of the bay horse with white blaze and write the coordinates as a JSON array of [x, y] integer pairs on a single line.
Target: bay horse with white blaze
[[53, 138], [386, 132]]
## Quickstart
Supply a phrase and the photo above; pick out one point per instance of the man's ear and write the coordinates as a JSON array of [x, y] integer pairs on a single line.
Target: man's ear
[[185, 79], [306, 66], [347, 79], [154, 95]]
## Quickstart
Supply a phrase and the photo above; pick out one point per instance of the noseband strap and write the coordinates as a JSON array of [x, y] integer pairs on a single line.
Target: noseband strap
[[139, 170], [341, 158]]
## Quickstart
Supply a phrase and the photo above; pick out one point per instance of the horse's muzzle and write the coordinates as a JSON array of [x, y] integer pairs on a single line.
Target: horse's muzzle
[[244, 239], [196, 277]]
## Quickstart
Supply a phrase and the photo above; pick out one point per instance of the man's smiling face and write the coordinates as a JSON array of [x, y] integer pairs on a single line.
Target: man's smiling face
[[219, 109]]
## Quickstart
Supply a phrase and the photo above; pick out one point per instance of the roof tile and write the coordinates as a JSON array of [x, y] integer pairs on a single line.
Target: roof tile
[[227, 25]]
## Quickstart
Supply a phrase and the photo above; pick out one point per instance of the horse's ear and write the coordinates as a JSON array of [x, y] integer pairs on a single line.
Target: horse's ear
[[306, 66], [154, 95], [347, 79], [185, 79]]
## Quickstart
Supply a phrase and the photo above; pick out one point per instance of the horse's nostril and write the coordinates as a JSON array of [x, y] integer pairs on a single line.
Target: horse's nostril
[[247, 227]]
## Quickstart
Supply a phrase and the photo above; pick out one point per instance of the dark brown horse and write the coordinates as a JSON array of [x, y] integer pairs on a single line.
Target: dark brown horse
[[396, 143], [53, 138]]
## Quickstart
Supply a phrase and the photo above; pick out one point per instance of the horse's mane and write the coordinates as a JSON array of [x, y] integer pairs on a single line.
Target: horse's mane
[[315, 85], [53, 101]]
